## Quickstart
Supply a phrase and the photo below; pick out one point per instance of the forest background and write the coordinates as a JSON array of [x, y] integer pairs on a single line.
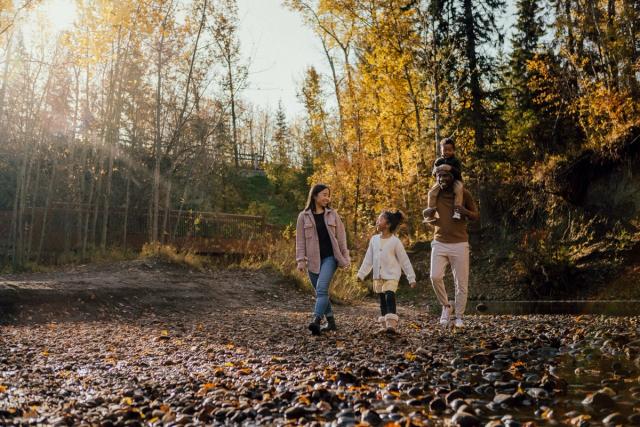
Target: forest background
[[139, 109]]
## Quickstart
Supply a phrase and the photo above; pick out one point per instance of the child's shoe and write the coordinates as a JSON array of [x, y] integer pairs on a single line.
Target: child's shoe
[[392, 322], [456, 213]]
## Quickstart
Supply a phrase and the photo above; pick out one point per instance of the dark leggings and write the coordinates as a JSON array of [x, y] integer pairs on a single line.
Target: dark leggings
[[387, 302]]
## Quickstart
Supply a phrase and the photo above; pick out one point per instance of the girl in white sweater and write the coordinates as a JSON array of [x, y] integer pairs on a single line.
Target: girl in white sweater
[[387, 258]]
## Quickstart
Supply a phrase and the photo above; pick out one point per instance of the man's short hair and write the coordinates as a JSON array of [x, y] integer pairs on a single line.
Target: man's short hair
[[444, 169], [446, 141]]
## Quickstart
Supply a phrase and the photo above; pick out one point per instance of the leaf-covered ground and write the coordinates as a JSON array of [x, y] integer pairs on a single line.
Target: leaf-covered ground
[[164, 346]]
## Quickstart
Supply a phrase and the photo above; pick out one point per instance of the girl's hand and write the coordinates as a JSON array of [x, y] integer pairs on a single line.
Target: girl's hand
[[413, 285], [301, 267]]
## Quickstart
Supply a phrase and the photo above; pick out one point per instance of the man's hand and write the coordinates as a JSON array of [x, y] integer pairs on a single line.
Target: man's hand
[[413, 285]]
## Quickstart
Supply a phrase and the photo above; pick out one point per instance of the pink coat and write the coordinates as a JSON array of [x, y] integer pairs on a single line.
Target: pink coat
[[308, 244]]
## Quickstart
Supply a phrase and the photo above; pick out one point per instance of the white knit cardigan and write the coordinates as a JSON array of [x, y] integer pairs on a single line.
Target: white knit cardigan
[[386, 262]]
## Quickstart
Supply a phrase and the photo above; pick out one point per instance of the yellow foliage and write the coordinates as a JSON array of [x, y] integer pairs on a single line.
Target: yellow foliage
[[171, 254]]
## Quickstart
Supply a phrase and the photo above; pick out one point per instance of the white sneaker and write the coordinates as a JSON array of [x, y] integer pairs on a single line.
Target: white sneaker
[[459, 323], [445, 316]]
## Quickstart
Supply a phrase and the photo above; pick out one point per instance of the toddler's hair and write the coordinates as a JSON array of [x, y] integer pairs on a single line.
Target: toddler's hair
[[446, 141], [393, 218]]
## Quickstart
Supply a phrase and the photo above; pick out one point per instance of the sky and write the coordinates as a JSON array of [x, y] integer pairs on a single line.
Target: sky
[[280, 48], [275, 42]]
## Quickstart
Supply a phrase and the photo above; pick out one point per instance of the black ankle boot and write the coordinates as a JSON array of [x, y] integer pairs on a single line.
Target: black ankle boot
[[314, 326], [331, 325]]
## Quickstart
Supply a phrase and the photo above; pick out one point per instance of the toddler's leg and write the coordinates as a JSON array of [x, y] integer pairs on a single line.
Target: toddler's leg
[[391, 318], [458, 188], [383, 310], [458, 191], [391, 302], [432, 196], [383, 303]]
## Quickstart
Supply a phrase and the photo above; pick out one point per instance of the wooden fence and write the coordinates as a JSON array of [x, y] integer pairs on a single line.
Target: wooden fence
[[64, 231]]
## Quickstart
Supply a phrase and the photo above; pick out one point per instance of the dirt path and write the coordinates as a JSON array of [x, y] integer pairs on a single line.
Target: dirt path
[[138, 344], [130, 288]]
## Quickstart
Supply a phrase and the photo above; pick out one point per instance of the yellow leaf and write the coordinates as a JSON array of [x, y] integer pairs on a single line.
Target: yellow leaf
[[304, 400], [126, 401], [204, 388], [45, 353], [410, 356], [3, 389], [229, 364]]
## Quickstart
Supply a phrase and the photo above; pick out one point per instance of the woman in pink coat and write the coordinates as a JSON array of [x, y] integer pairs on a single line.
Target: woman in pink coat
[[321, 247]]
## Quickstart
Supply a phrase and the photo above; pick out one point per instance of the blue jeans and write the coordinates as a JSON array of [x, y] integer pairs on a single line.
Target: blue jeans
[[321, 282]]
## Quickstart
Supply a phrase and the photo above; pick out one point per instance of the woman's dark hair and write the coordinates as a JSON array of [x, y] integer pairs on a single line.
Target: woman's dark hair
[[446, 141], [394, 219], [311, 201]]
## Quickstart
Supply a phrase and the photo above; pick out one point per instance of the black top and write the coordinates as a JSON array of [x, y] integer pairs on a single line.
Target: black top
[[326, 249], [454, 163]]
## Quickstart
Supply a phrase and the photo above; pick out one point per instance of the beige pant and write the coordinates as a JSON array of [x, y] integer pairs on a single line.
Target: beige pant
[[456, 254], [458, 192]]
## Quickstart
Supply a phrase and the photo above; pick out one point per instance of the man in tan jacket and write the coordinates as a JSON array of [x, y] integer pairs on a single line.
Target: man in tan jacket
[[450, 245]]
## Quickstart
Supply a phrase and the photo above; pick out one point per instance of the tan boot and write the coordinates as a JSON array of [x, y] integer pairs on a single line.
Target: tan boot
[[382, 323], [391, 321]]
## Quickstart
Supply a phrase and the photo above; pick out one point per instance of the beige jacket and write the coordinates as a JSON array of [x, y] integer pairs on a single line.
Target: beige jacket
[[387, 262], [308, 244]]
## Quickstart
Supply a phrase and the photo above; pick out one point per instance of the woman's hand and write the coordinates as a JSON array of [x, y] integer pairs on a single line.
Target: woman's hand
[[413, 285], [301, 267]]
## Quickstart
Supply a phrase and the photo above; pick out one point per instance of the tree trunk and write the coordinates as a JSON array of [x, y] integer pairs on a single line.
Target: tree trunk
[[167, 207], [179, 217], [157, 151], [96, 210], [236, 154], [45, 214], [5, 76], [16, 223], [125, 220], [477, 116], [34, 203]]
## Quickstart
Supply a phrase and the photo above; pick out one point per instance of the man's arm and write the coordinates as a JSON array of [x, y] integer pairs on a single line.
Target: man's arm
[[470, 210]]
